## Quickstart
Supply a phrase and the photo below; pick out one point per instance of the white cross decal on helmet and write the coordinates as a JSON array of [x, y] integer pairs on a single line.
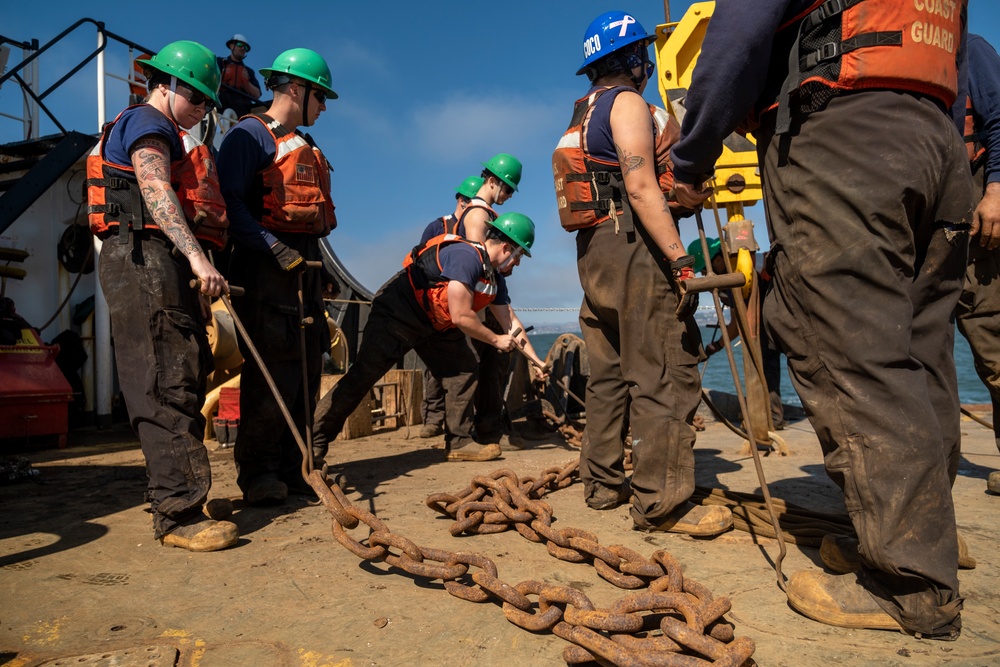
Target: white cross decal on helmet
[[624, 23]]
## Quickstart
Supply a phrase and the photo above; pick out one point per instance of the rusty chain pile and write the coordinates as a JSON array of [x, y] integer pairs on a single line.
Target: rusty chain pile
[[676, 622]]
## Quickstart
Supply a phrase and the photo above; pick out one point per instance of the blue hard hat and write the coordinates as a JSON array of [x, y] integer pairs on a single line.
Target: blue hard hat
[[608, 33]]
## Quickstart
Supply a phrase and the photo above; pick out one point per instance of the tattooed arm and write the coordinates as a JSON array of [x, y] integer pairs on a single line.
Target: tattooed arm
[[150, 158], [631, 129]]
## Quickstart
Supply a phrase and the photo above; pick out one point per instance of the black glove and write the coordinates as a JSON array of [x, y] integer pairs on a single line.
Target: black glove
[[288, 259], [687, 302]]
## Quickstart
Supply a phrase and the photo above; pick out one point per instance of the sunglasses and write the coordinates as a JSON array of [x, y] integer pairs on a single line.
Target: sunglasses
[[649, 70], [506, 189], [320, 96], [241, 45]]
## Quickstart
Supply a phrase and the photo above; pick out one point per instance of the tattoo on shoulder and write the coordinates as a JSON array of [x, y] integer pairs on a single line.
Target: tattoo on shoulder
[[628, 161]]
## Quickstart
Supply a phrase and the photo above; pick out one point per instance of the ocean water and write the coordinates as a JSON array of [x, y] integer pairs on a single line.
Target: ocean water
[[716, 373]]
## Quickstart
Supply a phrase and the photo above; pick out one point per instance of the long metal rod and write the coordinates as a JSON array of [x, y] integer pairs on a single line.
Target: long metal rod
[[737, 299]]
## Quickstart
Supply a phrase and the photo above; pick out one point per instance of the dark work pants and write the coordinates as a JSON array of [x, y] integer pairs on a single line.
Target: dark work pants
[[432, 407], [643, 369], [865, 203], [163, 358], [394, 328], [979, 315], [491, 420], [265, 445]]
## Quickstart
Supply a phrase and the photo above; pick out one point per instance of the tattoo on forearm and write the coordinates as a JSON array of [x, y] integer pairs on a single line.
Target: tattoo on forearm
[[628, 162], [152, 171]]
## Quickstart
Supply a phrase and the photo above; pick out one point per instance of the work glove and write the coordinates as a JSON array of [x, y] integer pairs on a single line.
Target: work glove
[[288, 259], [682, 268]]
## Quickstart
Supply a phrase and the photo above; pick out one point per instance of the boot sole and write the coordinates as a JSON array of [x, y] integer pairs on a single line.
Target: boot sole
[[489, 453], [204, 544]]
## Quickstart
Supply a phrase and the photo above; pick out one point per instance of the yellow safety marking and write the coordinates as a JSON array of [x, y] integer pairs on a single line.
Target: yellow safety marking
[[316, 659], [47, 632], [200, 646]]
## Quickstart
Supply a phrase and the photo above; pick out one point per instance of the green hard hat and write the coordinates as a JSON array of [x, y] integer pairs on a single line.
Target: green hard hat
[[506, 167], [519, 228], [694, 249], [304, 64], [193, 64], [470, 186]]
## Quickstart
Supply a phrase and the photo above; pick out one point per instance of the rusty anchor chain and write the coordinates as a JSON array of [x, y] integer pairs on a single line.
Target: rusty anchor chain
[[676, 622]]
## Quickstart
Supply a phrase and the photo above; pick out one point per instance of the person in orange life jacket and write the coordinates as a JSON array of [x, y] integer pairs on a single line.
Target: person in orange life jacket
[[854, 111], [432, 407], [157, 319], [642, 340], [237, 76], [277, 189], [431, 306], [978, 314], [501, 175], [771, 358]]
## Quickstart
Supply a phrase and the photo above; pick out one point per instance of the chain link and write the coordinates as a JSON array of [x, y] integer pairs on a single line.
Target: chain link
[[676, 622]]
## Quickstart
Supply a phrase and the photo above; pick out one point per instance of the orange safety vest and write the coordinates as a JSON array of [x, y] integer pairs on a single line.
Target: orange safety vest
[[861, 44], [973, 139], [296, 184], [590, 190], [113, 193], [423, 267], [236, 75]]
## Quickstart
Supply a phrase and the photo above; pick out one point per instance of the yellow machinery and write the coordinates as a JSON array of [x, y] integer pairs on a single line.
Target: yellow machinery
[[736, 185], [677, 48]]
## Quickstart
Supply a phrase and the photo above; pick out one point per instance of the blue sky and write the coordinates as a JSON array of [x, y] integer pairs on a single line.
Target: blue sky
[[427, 92]]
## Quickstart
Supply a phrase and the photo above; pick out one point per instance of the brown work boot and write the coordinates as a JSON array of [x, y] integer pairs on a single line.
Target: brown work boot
[[202, 535], [836, 599], [511, 442], [606, 498], [840, 554], [993, 483], [474, 451], [431, 430], [697, 520], [265, 491]]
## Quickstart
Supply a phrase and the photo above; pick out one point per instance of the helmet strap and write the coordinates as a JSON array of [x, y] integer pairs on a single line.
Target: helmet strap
[[171, 99], [305, 104]]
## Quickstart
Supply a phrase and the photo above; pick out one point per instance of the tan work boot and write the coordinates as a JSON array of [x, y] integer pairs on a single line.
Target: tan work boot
[[993, 483], [837, 599], [204, 535], [474, 452], [431, 430], [840, 554], [698, 520]]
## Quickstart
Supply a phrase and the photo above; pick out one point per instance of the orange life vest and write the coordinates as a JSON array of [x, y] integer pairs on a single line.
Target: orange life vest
[[236, 75], [113, 193], [590, 190], [861, 44], [296, 184], [423, 267], [973, 139]]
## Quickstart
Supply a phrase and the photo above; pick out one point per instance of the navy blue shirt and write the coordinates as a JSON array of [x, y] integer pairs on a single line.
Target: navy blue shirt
[[984, 89], [742, 64], [134, 124], [436, 228], [461, 262], [247, 149]]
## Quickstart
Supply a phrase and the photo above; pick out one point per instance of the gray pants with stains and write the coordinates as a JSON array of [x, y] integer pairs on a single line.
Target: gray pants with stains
[[868, 202]]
